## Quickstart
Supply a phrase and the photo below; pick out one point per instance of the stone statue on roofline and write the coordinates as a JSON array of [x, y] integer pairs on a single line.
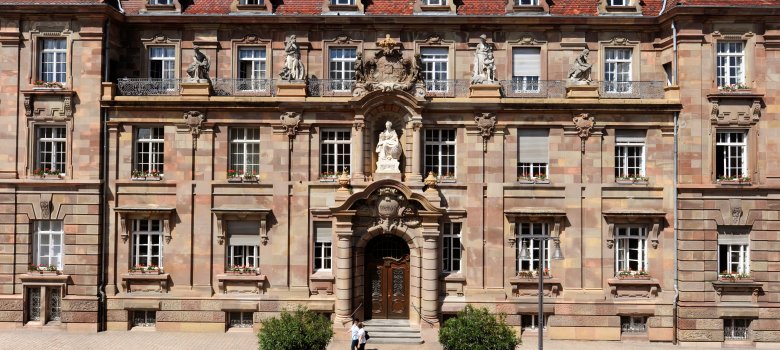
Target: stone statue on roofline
[[199, 68], [579, 73]]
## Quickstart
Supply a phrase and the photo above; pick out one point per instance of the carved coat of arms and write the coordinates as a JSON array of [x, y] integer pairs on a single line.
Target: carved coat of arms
[[388, 70]]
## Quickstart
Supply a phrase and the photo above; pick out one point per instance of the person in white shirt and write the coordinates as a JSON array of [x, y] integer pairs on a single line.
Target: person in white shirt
[[361, 336], [354, 331]]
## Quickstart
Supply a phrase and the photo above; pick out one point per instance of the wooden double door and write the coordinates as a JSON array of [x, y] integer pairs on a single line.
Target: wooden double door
[[387, 278]]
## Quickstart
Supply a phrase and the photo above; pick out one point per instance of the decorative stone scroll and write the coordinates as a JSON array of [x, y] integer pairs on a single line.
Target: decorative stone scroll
[[388, 70], [486, 122]]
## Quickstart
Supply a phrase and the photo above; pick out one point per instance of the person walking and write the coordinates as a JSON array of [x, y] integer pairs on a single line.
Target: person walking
[[354, 332], [361, 336]]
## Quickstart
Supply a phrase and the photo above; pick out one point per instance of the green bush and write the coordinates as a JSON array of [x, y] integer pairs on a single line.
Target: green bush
[[477, 329], [299, 330]]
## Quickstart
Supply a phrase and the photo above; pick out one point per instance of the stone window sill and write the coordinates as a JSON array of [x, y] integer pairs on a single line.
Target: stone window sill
[[634, 287], [160, 8], [435, 8], [342, 8], [224, 280], [745, 290], [527, 8], [322, 282], [522, 286], [158, 279], [622, 9], [252, 8]]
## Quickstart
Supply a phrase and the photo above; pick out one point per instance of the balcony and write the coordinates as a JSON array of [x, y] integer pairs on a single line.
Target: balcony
[[325, 88], [632, 89], [148, 87], [243, 87], [534, 89], [447, 88]]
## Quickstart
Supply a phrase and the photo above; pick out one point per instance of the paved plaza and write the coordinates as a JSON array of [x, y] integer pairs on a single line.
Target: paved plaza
[[55, 340]]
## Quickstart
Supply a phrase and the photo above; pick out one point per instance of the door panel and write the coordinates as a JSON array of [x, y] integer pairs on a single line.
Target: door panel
[[387, 278], [397, 293], [376, 291]]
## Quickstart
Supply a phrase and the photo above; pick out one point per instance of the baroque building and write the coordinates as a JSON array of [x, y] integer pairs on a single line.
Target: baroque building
[[203, 165]]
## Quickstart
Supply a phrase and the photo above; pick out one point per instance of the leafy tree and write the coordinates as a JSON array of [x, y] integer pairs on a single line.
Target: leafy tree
[[300, 330], [477, 329]]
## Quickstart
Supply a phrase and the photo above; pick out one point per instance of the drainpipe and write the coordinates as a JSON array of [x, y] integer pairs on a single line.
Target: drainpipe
[[104, 187], [676, 191]]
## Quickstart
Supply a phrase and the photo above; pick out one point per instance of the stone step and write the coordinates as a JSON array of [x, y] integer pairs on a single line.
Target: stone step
[[386, 331], [378, 330], [377, 335]]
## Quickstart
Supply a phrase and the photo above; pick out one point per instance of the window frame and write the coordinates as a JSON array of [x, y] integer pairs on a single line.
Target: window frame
[[623, 157], [533, 245], [163, 59], [728, 171], [624, 3], [160, 2], [725, 79], [730, 326], [526, 83], [449, 242], [159, 155], [532, 170], [612, 77], [338, 83], [433, 85], [259, 66], [135, 245], [322, 249], [342, 2], [632, 326], [147, 315], [325, 168], [730, 239], [439, 144], [526, 2], [438, 3], [244, 321], [42, 51], [247, 167], [59, 145], [38, 232], [642, 259]]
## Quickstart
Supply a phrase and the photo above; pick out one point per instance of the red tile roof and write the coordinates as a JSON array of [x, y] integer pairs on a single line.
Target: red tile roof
[[299, 7], [482, 7], [390, 7], [51, 2]]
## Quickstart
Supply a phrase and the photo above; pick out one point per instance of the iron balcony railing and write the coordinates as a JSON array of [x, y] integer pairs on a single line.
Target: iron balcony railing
[[148, 86], [243, 87], [447, 88], [534, 88], [631, 89], [322, 88]]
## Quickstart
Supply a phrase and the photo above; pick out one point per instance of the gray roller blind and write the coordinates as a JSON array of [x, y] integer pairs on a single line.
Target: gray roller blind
[[533, 145], [630, 136], [322, 232], [244, 232], [733, 239], [526, 62]]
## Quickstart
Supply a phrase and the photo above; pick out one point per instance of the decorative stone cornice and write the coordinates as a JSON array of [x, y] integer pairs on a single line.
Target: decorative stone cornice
[[145, 212]]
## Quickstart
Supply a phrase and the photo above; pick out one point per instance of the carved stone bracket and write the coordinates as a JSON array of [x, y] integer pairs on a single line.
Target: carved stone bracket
[[653, 218], [359, 125], [227, 214], [46, 205], [584, 123], [555, 217], [126, 214], [48, 104], [633, 288], [735, 108], [193, 121], [291, 121], [486, 122]]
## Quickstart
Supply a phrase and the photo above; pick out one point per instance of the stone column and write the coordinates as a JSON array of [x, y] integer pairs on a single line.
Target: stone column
[[416, 151], [429, 307], [357, 150], [343, 268]]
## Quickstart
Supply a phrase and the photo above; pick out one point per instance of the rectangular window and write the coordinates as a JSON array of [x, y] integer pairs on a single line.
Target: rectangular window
[[619, 2], [51, 151], [149, 150], [531, 321], [527, 2], [237, 319], [451, 248], [342, 2], [34, 304], [342, 68], [335, 151], [162, 62], [525, 229], [160, 2], [440, 152], [629, 154], [435, 2], [633, 324], [47, 243], [251, 69], [245, 151], [54, 313], [243, 249], [730, 63], [734, 253], [53, 60], [630, 248], [251, 2], [731, 154], [143, 318], [435, 60], [533, 157], [526, 69], [322, 245], [147, 243], [617, 70], [736, 328]]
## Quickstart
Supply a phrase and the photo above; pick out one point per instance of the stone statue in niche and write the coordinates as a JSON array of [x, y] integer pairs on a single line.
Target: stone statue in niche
[[579, 72], [484, 63], [293, 66], [199, 68], [389, 150]]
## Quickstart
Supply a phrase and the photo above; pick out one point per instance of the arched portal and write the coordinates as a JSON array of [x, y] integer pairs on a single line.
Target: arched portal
[[387, 277]]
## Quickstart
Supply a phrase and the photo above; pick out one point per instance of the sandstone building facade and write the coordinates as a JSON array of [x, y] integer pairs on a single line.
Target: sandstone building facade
[[221, 164]]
